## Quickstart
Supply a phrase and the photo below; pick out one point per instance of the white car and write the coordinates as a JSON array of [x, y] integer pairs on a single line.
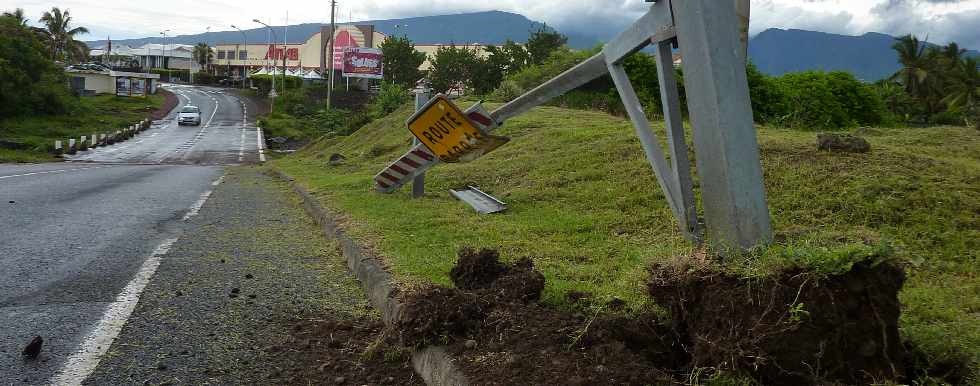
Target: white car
[[189, 115]]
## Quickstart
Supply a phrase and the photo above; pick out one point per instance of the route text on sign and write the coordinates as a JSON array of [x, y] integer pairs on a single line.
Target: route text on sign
[[443, 128]]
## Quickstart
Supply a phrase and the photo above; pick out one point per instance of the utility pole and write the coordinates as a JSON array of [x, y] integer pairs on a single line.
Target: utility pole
[[245, 48], [333, 33], [272, 43], [207, 42], [285, 32]]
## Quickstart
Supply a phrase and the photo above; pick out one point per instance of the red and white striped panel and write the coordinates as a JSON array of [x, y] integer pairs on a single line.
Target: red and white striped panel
[[400, 172]]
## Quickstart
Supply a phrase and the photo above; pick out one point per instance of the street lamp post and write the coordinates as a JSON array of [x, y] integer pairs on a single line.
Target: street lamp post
[[163, 57], [207, 42], [272, 92], [245, 47]]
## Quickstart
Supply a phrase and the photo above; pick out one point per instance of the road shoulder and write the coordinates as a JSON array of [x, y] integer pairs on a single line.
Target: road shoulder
[[252, 293]]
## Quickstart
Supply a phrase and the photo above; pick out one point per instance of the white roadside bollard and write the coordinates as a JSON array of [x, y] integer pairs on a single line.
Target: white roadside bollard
[[71, 145], [58, 149], [95, 140]]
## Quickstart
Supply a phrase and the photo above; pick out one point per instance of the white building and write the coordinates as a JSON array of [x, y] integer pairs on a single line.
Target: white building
[[172, 56]]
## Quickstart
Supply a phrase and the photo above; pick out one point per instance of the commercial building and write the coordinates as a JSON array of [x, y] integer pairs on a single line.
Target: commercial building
[[167, 56], [231, 58], [95, 79]]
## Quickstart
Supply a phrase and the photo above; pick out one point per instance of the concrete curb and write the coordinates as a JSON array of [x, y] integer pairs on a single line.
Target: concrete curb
[[432, 363]]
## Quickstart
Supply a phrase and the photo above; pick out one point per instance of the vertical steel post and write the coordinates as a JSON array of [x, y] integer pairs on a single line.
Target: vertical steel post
[[418, 184], [742, 8], [735, 209], [673, 123]]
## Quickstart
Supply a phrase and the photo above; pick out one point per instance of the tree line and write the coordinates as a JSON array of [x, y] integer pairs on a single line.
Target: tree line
[[935, 85], [467, 68], [32, 59]]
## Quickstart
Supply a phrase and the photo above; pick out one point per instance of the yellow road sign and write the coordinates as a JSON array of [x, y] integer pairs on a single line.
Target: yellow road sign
[[446, 131]]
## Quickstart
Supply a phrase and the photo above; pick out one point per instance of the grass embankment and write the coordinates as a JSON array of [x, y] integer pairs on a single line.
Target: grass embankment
[[585, 206], [31, 138]]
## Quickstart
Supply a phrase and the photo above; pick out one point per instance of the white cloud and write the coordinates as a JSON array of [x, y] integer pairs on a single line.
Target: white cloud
[[943, 20]]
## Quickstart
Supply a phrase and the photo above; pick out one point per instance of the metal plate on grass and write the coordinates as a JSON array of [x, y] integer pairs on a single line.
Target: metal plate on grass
[[481, 202]]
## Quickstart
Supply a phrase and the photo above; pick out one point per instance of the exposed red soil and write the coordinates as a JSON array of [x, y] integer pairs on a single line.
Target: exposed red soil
[[169, 103]]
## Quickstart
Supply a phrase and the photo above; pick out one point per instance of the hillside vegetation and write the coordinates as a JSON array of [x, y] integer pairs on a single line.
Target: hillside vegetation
[[585, 206], [31, 138]]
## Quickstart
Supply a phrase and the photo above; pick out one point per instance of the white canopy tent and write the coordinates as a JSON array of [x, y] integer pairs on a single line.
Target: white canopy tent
[[312, 74]]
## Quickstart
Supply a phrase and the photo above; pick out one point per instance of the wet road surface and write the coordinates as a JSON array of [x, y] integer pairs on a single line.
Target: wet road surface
[[79, 240]]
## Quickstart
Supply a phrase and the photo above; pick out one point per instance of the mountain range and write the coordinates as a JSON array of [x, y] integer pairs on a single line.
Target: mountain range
[[491, 27], [869, 57], [775, 51]]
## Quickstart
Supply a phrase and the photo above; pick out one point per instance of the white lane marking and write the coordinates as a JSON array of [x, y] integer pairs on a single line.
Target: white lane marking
[[241, 146], [261, 145], [197, 205], [82, 363], [52, 171]]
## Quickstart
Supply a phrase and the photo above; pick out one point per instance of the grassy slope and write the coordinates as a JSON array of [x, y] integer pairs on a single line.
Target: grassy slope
[[98, 114], [584, 204]]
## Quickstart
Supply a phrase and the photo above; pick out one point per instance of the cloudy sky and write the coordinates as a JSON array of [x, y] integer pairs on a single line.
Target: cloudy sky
[[941, 20]]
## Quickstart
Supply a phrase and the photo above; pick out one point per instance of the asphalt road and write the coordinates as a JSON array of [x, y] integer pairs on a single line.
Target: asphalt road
[[80, 240]]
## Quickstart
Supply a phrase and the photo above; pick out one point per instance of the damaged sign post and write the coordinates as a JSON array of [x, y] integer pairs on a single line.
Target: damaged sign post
[[736, 214], [418, 184]]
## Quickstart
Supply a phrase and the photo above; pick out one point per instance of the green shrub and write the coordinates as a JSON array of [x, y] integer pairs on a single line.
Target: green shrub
[[30, 83], [389, 99], [167, 75], [208, 79], [609, 101], [264, 83], [508, 91], [948, 117], [768, 99], [819, 100]]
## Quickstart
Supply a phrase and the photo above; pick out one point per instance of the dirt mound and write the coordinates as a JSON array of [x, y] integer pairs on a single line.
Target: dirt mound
[[482, 272], [790, 328], [435, 314], [842, 143], [491, 321], [476, 269]]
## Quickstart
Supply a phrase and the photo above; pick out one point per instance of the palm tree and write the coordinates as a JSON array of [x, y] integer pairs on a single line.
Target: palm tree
[[963, 91], [202, 54], [952, 53], [915, 62], [61, 36], [17, 14]]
